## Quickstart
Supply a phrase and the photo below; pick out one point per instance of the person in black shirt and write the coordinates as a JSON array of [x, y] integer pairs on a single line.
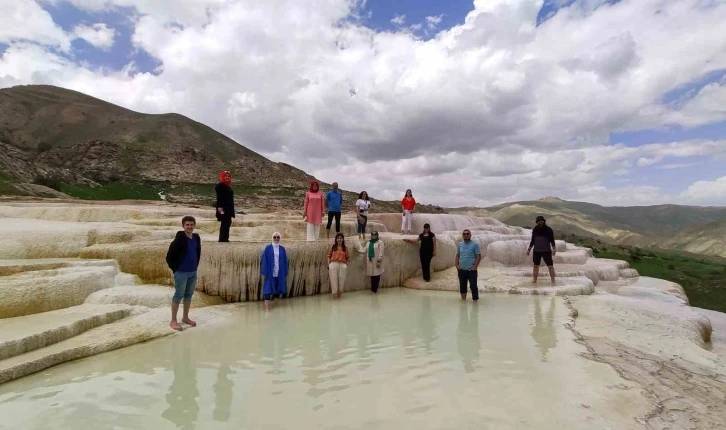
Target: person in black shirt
[[224, 205], [543, 242], [183, 257], [427, 250]]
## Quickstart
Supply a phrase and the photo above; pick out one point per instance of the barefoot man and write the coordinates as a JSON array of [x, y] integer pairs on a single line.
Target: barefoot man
[[543, 242], [183, 259], [468, 257]]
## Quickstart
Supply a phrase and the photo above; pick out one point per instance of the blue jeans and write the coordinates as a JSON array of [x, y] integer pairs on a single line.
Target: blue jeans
[[184, 284]]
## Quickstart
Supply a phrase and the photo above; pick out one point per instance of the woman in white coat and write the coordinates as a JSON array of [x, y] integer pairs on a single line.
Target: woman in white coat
[[374, 252]]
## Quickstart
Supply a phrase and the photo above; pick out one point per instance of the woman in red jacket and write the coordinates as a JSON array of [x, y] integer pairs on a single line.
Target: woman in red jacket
[[408, 204]]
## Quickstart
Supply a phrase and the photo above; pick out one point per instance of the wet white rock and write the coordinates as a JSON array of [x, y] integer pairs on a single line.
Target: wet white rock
[[80, 279]]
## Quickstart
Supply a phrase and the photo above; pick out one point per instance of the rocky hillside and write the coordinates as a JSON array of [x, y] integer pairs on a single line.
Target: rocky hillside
[[56, 142], [64, 135], [691, 228], [709, 239]]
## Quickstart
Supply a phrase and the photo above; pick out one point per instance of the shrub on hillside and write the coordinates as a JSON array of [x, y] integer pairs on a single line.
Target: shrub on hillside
[[44, 146], [49, 182]]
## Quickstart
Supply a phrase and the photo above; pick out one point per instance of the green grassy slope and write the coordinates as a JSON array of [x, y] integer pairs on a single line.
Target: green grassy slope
[[702, 277]]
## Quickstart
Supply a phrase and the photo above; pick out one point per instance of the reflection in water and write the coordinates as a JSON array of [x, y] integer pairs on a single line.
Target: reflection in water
[[183, 394], [222, 394], [543, 328], [404, 359], [427, 325], [467, 337]]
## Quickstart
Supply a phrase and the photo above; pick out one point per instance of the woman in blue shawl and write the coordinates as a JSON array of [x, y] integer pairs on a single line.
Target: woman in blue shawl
[[274, 270]]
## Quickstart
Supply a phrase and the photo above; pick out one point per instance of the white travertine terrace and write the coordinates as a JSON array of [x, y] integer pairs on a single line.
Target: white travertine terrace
[[81, 279]]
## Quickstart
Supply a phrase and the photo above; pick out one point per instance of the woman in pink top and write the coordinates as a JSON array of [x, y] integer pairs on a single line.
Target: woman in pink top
[[313, 210]]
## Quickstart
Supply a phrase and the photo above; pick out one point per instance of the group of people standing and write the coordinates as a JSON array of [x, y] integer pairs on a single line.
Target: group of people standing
[[185, 250], [313, 209]]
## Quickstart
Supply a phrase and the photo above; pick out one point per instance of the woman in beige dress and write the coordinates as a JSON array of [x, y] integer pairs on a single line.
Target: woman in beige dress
[[374, 252]]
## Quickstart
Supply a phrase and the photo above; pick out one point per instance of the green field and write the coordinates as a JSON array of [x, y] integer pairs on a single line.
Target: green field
[[202, 194], [702, 277], [149, 190]]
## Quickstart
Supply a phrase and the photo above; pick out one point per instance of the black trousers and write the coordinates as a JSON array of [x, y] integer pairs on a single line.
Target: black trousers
[[335, 215], [362, 225], [375, 282], [470, 277], [224, 228], [426, 264]]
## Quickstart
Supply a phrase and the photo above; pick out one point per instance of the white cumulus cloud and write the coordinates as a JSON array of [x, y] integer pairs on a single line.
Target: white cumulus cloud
[[434, 21], [99, 35], [399, 19], [494, 109], [25, 20], [707, 192]]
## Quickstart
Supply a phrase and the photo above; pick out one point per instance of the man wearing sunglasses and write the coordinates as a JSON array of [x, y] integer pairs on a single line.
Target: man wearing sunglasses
[[543, 242], [468, 256]]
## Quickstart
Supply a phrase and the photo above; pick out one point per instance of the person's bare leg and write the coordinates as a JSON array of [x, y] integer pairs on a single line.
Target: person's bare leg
[[535, 272], [174, 310], [463, 297], [267, 305], [185, 319], [552, 273]]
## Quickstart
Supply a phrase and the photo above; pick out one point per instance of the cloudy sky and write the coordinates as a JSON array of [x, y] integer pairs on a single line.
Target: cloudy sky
[[467, 103]]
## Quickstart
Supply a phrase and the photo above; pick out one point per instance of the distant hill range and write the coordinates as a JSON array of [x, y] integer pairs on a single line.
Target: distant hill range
[[56, 142], [691, 228]]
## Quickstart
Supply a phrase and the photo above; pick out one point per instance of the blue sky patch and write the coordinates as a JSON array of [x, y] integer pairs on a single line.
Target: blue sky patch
[[713, 131], [121, 53], [451, 13], [673, 175], [686, 92], [551, 7]]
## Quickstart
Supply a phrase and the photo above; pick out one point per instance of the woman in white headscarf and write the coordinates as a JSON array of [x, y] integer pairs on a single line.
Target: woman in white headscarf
[[274, 270]]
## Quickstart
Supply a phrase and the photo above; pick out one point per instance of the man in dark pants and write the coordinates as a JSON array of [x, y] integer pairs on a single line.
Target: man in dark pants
[[543, 242], [183, 259], [224, 205], [468, 256], [335, 203]]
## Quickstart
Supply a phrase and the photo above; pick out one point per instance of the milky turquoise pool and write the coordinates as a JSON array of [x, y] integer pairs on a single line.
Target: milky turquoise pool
[[402, 359]]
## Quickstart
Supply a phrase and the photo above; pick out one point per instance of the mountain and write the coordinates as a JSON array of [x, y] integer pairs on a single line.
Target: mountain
[[57, 142], [706, 239], [65, 135], [691, 228]]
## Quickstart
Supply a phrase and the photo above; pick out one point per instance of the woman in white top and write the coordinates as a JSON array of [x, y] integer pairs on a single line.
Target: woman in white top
[[361, 207]]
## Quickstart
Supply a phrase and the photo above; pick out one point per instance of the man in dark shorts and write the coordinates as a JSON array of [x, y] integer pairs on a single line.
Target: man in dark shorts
[[543, 242]]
